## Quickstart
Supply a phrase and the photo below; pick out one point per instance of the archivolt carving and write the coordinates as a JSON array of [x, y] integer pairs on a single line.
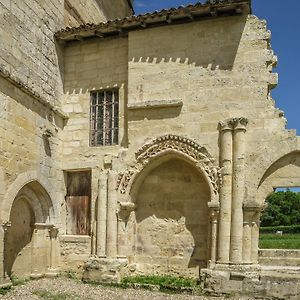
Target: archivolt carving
[[177, 144]]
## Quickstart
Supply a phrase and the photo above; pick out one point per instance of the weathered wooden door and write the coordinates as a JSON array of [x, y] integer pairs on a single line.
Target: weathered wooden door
[[78, 203]]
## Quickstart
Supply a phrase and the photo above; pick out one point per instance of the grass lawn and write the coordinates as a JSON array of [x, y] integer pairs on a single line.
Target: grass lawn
[[275, 241]]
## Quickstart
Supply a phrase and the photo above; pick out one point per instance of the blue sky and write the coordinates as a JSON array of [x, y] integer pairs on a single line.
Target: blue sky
[[283, 20]]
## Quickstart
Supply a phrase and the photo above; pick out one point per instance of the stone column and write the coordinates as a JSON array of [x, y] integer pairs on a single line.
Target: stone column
[[53, 268], [225, 191], [124, 211], [238, 187], [4, 279], [112, 221], [214, 212], [255, 237], [102, 215], [247, 240], [35, 255]]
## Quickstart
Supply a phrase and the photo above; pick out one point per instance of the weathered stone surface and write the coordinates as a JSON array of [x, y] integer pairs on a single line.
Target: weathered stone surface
[[200, 145], [104, 270]]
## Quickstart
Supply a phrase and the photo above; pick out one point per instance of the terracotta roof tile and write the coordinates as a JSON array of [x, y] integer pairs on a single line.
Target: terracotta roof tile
[[190, 12]]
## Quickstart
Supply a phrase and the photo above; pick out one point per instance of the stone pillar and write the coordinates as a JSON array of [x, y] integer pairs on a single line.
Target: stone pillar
[[214, 212], [112, 221], [247, 240], [54, 254], [124, 211], [255, 237], [238, 189], [35, 255], [102, 215], [225, 191], [4, 279]]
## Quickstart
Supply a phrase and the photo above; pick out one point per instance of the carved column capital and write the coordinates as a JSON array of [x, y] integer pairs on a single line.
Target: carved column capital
[[124, 210], [233, 124], [6, 226], [239, 123], [53, 232], [225, 125], [214, 210]]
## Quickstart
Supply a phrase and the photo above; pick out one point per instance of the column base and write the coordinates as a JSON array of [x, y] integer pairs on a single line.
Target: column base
[[5, 283], [52, 272]]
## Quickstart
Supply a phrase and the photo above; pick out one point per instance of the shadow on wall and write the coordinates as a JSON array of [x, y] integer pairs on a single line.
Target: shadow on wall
[[18, 237], [154, 113], [28, 102], [172, 219], [210, 44]]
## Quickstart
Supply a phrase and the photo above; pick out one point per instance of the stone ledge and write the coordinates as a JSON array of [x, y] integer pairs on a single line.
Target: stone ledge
[[268, 284], [155, 104], [29, 91], [84, 239]]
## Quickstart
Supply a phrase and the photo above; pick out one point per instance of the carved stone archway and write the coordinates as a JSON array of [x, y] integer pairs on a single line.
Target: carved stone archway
[[178, 146], [160, 154]]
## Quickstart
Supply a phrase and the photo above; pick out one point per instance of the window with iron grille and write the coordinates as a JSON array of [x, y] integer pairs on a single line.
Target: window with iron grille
[[104, 118]]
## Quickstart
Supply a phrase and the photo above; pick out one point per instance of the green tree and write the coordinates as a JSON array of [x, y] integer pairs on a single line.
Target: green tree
[[283, 209]]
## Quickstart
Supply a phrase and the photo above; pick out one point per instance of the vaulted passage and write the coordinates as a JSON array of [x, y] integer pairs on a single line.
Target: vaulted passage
[[172, 220]]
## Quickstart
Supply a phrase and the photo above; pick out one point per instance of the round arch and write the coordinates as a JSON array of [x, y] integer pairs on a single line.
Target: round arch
[[283, 172], [38, 188]]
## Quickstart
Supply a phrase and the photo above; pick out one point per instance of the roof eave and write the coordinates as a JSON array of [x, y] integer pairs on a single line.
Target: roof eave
[[180, 15]]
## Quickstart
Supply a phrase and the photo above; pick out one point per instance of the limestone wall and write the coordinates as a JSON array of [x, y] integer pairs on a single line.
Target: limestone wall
[[172, 221], [91, 66], [23, 148], [181, 80], [78, 12], [28, 50], [216, 67]]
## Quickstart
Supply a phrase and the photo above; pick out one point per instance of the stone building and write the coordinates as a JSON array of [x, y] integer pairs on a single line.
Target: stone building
[[142, 145]]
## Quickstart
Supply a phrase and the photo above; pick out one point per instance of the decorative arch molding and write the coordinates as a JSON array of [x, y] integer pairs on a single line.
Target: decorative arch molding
[[24, 179], [177, 146]]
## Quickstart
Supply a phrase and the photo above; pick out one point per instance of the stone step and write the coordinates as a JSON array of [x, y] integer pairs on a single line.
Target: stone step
[[279, 261], [279, 253]]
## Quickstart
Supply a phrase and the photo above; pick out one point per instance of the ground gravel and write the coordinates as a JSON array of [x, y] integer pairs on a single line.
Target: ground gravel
[[67, 289]]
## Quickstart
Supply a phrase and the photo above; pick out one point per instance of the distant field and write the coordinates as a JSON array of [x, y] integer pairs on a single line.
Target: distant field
[[274, 241]]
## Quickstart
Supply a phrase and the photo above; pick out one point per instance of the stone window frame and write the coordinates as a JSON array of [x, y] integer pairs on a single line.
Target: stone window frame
[[111, 107]]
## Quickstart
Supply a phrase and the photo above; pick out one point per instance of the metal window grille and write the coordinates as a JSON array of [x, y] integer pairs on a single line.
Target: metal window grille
[[104, 118]]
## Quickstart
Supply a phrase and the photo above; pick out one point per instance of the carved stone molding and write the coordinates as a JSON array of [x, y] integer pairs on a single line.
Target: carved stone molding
[[174, 144], [6, 226]]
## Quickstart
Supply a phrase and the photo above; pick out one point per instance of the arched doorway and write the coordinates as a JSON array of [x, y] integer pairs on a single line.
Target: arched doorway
[[28, 238], [282, 174], [171, 234]]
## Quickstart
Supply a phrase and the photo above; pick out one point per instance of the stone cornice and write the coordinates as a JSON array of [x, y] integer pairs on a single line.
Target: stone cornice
[[29, 91]]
